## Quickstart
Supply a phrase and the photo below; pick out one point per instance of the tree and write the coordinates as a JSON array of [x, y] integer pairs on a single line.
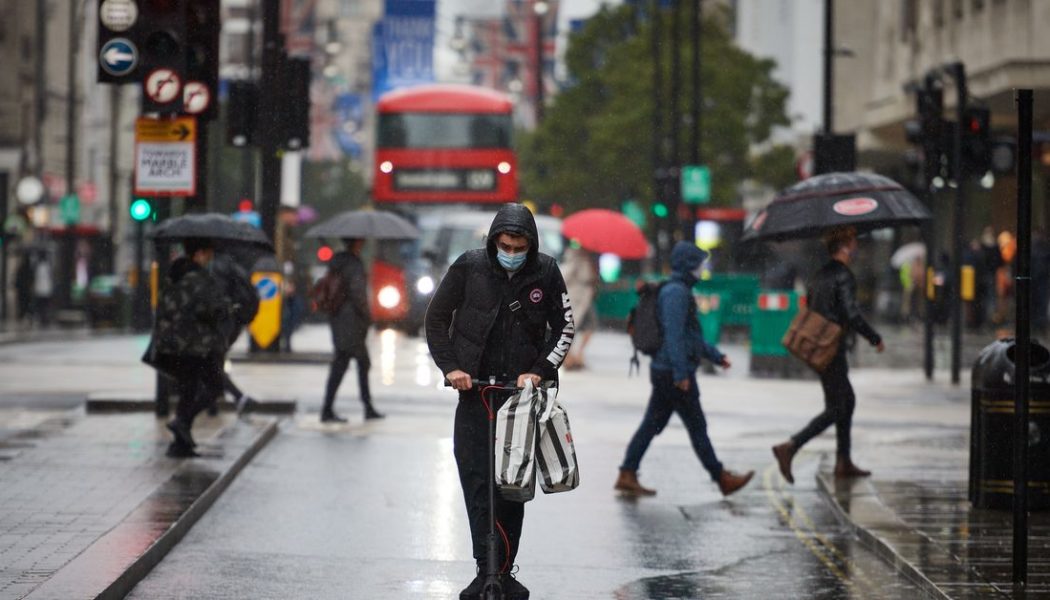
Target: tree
[[593, 148]]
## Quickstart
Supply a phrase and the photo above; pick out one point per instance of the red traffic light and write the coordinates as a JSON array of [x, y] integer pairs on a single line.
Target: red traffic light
[[324, 253], [245, 205]]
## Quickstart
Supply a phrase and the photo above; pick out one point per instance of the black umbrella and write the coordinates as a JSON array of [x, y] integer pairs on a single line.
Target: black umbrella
[[213, 226], [809, 208], [371, 224]]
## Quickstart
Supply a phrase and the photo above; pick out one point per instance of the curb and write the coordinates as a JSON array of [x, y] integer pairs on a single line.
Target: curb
[[877, 545], [288, 358], [140, 566], [100, 402]]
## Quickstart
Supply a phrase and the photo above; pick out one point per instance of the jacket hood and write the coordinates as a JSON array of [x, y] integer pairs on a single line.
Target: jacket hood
[[518, 220], [180, 267], [686, 257]]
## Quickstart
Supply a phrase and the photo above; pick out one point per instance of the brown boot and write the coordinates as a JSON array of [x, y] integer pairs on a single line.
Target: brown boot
[[627, 483], [730, 482], [784, 453], [845, 469]]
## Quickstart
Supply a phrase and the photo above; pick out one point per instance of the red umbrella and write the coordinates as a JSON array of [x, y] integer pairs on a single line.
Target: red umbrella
[[605, 231]]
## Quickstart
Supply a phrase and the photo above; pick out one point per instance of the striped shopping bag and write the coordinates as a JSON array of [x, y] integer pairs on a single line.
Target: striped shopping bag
[[516, 432], [559, 471]]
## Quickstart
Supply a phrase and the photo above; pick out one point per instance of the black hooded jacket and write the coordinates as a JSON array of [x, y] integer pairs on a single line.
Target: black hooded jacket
[[485, 323]]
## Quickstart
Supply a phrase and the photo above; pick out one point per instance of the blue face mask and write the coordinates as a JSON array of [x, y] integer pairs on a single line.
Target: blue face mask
[[511, 262]]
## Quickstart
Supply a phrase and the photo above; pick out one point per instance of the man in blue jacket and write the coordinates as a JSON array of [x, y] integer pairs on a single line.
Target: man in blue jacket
[[673, 376]]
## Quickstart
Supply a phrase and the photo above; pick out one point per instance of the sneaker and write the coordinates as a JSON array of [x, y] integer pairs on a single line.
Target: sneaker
[[473, 591], [372, 413], [331, 417], [245, 403], [182, 433], [512, 588], [177, 449]]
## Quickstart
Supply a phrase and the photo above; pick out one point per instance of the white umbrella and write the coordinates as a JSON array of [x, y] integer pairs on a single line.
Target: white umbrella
[[907, 254]]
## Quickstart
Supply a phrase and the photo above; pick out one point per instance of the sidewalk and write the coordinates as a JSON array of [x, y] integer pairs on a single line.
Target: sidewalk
[[89, 503], [923, 524]]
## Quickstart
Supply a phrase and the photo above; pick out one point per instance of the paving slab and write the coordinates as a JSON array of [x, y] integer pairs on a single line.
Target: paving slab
[[89, 503], [929, 530]]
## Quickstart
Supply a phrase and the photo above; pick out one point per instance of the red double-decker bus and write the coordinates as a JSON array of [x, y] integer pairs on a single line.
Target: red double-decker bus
[[444, 144]]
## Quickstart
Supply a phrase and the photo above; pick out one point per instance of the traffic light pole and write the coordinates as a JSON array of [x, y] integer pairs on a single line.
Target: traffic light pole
[[694, 143], [1022, 357], [958, 73], [659, 173], [269, 96], [931, 107]]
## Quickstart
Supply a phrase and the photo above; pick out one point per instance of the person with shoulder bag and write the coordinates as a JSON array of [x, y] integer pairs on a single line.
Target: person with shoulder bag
[[833, 296], [343, 294], [501, 313]]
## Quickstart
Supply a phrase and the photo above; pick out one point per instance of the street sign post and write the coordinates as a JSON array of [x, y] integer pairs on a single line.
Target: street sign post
[[69, 209], [165, 157], [696, 184]]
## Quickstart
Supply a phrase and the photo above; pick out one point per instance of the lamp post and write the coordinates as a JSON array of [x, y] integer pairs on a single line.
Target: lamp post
[[540, 8]]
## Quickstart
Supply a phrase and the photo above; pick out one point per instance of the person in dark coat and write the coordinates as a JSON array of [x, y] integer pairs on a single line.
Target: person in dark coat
[[672, 373], [190, 333], [501, 312], [237, 286], [349, 326], [833, 295]]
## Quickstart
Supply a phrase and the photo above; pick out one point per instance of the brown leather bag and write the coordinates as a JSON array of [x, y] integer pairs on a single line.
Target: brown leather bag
[[813, 339]]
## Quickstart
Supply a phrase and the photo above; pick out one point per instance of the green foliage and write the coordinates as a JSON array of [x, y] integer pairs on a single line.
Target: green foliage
[[594, 147], [332, 187]]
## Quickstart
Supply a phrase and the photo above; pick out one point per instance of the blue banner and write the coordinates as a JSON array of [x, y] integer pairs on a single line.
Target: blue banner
[[403, 46], [350, 119]]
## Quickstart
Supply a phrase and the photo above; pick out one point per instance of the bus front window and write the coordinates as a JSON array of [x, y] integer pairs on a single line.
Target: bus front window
[[444, 131]]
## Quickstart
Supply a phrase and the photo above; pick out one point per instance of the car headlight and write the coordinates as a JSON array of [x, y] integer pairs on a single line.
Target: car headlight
[[389, 297], [425, 284]]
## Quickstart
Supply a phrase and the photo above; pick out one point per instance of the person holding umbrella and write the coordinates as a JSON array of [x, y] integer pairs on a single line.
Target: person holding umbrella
[[189, 338], [349, 324], [833, 295]]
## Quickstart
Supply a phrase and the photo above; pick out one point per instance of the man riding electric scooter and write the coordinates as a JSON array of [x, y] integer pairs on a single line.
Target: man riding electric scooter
[[502, 314]]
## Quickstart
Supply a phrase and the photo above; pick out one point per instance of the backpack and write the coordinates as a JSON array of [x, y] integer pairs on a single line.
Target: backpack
[[643, 323], [329, 293], [245, 299]]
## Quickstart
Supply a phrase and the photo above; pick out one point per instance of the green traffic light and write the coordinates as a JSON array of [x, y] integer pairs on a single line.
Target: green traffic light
[[140, 209], [660, 209]]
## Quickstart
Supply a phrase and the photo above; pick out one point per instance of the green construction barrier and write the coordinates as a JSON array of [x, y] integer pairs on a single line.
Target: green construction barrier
[[710, 310], [770, 320], [739, 293]]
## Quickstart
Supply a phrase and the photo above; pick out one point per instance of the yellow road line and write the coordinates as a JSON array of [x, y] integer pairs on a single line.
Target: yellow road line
[[818, 545]]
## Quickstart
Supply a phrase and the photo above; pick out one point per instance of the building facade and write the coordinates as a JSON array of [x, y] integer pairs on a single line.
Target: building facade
[[894, 44]]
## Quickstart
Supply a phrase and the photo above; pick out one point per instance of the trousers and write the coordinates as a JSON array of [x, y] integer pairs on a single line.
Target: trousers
[[839, 402], [665, 400], [340, 363], [471, 448]]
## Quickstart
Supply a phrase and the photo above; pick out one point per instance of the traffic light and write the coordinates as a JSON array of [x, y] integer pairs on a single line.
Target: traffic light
[[294, 104], [242, 106], [660, 210], [202, 58], [162, 35], [834, 153], [977, 141], [141, 209]]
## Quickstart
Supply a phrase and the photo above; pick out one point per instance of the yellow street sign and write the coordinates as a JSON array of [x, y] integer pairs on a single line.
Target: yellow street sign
[[182, 129], [266, 326]]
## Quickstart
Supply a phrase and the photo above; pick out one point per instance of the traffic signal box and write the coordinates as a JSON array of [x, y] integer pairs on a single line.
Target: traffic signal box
[[936, 135], [165, 46]]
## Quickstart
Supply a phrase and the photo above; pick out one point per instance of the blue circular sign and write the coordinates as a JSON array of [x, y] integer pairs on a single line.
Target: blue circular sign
[[267, 288], [118, 57]]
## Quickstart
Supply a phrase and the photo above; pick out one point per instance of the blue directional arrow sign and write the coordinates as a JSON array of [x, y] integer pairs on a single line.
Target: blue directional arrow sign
[[118, 57]]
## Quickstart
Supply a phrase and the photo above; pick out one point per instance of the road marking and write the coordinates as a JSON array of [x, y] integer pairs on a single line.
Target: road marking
[[796, 518]]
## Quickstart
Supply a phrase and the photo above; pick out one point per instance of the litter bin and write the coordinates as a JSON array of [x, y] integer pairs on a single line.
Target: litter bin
[[710, 312], [992, 426]]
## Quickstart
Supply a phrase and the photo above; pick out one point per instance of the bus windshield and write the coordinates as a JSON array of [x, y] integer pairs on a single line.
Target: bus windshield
[[433, 130]]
